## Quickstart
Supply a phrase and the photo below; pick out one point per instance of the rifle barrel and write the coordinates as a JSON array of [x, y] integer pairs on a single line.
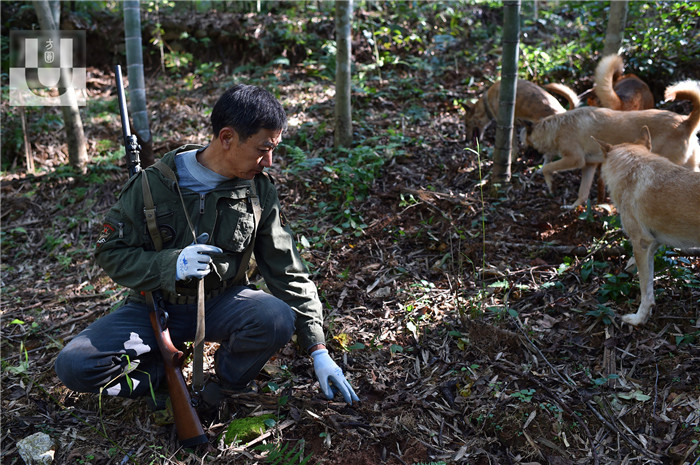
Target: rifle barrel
[[131, 146], [123, 111]]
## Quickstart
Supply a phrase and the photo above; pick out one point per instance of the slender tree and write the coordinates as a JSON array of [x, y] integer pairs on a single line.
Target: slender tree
[[509, 74], [343, 74], [137, 83], [75, 137], [616, 27]]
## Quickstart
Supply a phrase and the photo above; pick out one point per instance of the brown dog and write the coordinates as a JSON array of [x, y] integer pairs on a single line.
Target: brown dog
[[658, 202], [617, 91], [532, 103], [569, 135]]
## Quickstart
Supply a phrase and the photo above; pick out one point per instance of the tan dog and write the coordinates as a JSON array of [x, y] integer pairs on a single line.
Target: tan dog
[[569, 135], [532, 103], [617, 91], [658, 202]]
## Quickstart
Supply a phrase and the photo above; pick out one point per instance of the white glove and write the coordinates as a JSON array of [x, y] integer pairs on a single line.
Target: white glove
[[194, 260], [327, 370]]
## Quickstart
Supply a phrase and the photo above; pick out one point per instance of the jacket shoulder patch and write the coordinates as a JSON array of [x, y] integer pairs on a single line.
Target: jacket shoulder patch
[[107, 232]]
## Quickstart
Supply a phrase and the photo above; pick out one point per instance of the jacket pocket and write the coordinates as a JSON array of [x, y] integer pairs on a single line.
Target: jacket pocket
[[165, 224], [234, 230]]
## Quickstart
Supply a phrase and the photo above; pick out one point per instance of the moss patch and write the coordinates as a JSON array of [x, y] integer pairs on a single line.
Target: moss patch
[[246, 429]]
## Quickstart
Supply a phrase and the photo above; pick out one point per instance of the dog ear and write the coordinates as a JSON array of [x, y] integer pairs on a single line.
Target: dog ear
[[604, 146], [645, 140]]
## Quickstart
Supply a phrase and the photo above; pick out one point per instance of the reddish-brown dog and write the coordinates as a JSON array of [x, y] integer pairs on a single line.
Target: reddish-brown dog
[[617, 91]]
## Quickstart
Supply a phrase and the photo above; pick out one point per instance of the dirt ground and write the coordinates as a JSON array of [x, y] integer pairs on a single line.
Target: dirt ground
[[468, 319]]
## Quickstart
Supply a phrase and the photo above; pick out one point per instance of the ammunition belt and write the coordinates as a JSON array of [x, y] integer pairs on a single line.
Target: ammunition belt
[[182, 299]]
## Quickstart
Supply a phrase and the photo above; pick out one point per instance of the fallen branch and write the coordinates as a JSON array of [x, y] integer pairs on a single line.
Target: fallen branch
[[423, 194], [579, 251]]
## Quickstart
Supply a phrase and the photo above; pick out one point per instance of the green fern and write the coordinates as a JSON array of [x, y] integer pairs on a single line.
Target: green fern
[[279, 455]]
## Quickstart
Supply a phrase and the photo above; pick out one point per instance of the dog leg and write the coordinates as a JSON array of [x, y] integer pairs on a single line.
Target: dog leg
[[569, 160], [584, 188], [644, 251]]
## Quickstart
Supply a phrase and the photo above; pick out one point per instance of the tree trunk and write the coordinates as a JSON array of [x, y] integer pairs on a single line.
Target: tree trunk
[[137, 82], [75, 137], [343, 73], [616, 27], [55, 7], [506, 108]]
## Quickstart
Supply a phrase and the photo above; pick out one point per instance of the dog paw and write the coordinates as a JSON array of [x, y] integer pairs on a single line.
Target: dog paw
[[633, 319]]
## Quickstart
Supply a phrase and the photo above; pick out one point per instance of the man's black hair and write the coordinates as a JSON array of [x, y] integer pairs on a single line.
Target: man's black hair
[[247, 109]]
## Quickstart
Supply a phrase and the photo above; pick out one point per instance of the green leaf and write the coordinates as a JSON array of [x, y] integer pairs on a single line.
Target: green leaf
[[635, 395], [395, 348], [270, 422]]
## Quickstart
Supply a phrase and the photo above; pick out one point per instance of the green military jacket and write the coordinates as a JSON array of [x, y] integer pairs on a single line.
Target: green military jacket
[[125, 250]]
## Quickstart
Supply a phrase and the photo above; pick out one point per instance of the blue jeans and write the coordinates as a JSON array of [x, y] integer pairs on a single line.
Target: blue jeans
[[119, 353]]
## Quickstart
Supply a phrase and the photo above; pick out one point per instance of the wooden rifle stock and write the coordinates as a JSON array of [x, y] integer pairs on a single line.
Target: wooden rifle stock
[[189, 428]]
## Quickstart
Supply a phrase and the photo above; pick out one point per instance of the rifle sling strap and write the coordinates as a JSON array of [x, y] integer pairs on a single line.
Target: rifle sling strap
[[149, 209]]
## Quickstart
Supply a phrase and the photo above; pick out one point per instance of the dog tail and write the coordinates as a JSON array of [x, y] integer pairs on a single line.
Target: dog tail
[[687, 90], [607, 72], [564, 91]]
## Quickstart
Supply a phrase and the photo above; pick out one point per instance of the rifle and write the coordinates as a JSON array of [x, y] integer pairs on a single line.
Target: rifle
[[187, 423]]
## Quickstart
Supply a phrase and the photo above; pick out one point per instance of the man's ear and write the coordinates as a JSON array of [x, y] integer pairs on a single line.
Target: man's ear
[[227, 137]]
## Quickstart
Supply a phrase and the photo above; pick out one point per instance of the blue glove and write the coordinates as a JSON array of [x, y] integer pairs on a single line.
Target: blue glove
[[331, 377], [194, 260]]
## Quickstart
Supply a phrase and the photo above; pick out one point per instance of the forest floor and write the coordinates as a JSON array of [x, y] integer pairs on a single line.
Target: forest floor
[[468, 319]]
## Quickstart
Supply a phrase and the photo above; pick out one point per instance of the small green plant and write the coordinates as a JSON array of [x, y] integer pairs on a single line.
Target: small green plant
[[690, 338], [157, 454], [524, 395], [603, 379], [615, 287], [88, 459], [349, 178], [678, 267], [605, 314], [175, 60], [23, 366], [590, 266]]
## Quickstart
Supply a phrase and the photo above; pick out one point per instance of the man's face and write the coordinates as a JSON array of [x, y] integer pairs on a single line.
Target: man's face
[[246, 159]]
